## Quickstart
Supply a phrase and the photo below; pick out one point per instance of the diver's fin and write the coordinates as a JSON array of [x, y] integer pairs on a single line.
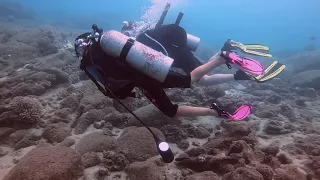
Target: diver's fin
[[267, 70], [257, 53], [250, 48], [249, 65], [257, 47], [241, 113], [271, 72]]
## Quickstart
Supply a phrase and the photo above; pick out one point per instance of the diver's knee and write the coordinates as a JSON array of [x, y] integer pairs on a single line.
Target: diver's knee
[[170, 111], [197, 80], [203, 80]]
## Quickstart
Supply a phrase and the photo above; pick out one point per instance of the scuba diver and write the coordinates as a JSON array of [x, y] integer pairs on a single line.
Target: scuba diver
[[117, 64], [128, 28], [133, 28], [105, 69], [120, 63]]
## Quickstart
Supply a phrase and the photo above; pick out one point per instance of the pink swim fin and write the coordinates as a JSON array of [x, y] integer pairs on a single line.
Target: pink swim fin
[[241, 113], [248, 65]]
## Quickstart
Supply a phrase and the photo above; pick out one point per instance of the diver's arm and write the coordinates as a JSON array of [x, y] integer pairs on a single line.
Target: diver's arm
[[190, 111]]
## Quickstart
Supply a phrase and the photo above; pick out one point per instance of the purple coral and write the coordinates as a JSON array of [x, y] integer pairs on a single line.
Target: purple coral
[[27, 109]]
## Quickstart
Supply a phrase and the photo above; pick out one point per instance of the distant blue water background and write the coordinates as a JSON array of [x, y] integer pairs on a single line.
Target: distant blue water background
[[280, 24]]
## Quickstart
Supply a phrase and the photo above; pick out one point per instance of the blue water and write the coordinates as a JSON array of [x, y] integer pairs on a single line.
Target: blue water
[[280, 24]]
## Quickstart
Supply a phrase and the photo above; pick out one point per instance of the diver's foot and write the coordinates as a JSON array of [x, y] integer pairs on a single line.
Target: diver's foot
[[227, 46], [229, 56], [240, 75], [243, 63], [221, 113]]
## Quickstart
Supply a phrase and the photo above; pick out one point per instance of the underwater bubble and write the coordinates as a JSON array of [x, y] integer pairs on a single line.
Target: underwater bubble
[[152, 15]]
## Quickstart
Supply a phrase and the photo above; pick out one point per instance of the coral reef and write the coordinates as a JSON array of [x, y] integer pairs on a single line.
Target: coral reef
[[95, 142], [22, 110], [54, 161]]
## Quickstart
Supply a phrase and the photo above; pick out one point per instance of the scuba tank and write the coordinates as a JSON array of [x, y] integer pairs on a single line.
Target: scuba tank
[[141, 57], [192, 42]]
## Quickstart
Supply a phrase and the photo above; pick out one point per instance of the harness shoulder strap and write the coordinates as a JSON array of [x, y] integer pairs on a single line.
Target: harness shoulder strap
[[103, 90], [83, 65]]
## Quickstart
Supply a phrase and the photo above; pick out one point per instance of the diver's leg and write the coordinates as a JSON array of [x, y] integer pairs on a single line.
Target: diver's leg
[[158, 97], [200, 71], [216, 79], [222, 78], [191, 63], [190, 111]]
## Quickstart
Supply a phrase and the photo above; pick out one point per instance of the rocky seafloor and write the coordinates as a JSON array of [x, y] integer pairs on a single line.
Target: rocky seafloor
[[56, 125]]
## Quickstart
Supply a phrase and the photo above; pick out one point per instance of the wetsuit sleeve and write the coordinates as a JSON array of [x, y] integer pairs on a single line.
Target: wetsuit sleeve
[[159, 98]]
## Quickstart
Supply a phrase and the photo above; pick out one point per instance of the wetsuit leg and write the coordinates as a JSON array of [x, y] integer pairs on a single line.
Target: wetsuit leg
[[159, 98], [154, 91]]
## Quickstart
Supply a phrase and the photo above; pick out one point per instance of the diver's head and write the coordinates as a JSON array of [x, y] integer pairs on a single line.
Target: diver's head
[[125, 23], [81, 43]]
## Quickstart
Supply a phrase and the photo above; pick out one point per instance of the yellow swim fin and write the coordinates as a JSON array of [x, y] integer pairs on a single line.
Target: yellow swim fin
[[272, 71], [273, 74], [251, 48], [267, 70], [257, 47]]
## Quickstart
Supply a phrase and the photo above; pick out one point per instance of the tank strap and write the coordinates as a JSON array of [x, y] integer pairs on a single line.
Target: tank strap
[[126, 48]]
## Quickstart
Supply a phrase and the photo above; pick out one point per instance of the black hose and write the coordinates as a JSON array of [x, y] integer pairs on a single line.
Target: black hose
[[119, 101], [166, 155]]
